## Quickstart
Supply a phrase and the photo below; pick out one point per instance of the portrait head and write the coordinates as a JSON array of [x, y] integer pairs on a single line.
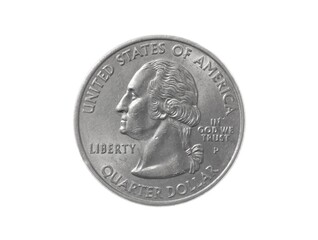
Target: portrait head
[[159, 109]]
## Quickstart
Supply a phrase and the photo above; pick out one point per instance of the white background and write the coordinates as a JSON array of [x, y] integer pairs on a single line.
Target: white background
[[48, 48]]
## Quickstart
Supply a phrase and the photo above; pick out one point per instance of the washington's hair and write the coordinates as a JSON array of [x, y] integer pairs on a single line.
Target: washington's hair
[[174, 95]]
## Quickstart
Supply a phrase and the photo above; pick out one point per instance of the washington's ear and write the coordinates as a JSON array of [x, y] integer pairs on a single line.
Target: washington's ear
[[171, 106], [162, 111], [157, 109], [163, 116]]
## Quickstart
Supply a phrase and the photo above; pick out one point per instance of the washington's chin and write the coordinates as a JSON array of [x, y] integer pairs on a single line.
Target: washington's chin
[[134, 133], [122, 130]]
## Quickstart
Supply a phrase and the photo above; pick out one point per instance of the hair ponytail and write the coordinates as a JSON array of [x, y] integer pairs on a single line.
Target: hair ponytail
[[195, 154]]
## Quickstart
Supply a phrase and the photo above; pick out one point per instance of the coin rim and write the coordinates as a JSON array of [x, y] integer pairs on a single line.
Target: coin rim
[[77, 114]]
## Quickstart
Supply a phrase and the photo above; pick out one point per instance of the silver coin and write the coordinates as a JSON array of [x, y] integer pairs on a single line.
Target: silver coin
[[159, 120]]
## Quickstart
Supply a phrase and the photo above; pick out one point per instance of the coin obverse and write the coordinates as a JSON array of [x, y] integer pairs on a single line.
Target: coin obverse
[[159, 120]]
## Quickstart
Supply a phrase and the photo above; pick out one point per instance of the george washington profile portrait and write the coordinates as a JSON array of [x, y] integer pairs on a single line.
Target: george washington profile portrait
[[159, 109]]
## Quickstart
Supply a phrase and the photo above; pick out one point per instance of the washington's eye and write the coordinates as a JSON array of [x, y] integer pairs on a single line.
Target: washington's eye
[[133, 96]]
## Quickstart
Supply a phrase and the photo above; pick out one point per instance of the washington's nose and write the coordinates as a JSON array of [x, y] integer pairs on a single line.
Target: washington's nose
[[122, 106]]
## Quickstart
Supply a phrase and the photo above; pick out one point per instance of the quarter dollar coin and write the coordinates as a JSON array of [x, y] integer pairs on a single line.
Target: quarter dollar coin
[[159, 120]]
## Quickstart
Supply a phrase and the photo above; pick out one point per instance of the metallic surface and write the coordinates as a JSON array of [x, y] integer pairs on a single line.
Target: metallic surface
[[159, 120]]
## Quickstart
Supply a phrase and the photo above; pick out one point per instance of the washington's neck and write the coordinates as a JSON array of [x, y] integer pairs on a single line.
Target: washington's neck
[[162, 155]]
